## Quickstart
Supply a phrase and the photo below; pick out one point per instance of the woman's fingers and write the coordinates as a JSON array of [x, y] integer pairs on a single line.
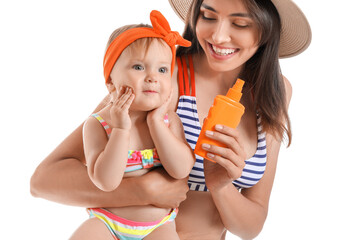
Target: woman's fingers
[[174, 191], [217, 153], [229, 137], [232, 156], [234, 172]]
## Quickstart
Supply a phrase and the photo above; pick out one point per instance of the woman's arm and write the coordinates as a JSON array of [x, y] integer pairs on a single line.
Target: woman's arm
[[243, 213], [62, 177]]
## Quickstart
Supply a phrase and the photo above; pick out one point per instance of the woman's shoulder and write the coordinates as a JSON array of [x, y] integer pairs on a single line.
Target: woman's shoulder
[[103, 103], [288, 89]]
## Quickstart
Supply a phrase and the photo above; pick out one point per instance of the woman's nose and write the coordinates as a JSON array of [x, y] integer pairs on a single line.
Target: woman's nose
[[221, 33]]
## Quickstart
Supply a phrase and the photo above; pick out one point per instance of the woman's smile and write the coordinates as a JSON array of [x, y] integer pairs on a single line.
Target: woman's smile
[[220, 52]]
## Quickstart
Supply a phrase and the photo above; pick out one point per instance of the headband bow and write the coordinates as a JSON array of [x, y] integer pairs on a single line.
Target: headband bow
[[161, 29]]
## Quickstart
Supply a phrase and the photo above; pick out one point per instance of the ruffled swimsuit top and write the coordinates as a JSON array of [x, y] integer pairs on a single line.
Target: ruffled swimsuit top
[[136, 160]]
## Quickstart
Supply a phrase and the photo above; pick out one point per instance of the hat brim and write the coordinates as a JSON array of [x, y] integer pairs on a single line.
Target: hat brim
[[295, 34]]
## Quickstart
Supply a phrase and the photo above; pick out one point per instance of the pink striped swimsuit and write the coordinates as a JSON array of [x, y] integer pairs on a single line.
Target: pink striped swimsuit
[[147, 158], [121, 228]]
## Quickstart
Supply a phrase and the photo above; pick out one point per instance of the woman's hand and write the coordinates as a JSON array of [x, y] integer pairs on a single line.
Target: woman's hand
[[230, 161], [120, 108], [162, 190]]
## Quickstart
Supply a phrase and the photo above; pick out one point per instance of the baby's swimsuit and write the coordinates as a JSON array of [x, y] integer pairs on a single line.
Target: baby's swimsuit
[[121, 228], [187, 111]]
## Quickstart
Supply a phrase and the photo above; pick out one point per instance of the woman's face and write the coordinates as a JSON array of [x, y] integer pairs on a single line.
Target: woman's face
[[227, 34]]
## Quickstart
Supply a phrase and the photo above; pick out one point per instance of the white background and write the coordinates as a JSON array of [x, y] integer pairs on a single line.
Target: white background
[[51, 79]]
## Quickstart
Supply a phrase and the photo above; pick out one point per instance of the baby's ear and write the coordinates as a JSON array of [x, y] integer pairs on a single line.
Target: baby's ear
[[110, 85]]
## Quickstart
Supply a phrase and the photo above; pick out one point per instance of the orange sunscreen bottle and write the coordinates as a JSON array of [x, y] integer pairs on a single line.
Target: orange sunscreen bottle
[[226, 110]]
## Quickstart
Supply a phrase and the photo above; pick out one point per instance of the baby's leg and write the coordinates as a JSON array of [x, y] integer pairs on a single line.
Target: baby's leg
[[164, 232], [91, 229]]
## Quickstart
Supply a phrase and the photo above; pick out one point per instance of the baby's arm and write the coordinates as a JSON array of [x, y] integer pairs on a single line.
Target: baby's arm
[[62, 177], [106, 161], [174, 152]]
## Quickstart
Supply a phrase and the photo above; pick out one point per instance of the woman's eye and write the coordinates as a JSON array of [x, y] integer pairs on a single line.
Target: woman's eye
[[138, 67], [241, 24], [163, 70], [207, 17]]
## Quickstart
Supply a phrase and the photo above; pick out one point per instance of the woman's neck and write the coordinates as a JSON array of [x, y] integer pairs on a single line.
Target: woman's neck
[[224, 80]]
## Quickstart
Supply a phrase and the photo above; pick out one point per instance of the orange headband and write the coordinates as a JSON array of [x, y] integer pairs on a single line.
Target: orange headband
[[161, 29]]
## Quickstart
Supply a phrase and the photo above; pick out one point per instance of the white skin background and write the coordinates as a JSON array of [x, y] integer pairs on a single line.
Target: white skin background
[[51, 79]]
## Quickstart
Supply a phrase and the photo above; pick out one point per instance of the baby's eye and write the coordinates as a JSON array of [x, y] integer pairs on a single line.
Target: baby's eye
[[163, 70], [138, 67]]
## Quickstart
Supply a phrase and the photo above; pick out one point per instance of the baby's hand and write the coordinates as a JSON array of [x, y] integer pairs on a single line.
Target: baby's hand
[[159, 113], [119, 109]]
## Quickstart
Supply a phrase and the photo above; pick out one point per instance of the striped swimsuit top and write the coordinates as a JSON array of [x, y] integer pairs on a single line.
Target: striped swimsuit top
[[187, 111], [136, 160]]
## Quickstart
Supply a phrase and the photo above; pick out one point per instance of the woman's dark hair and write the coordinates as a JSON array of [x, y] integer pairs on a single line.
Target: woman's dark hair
[[262, 70]]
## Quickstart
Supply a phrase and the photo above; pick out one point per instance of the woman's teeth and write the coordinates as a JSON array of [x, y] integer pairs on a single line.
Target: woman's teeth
[[223, 51]]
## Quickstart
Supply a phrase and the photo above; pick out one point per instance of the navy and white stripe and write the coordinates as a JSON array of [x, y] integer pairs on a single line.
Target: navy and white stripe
[[256, 165], [254, 168]]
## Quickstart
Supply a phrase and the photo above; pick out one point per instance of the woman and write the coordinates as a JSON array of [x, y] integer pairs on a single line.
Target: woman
[[230, 39]]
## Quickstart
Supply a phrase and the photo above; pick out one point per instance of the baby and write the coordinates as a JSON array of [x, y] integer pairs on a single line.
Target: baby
[[138, 66]]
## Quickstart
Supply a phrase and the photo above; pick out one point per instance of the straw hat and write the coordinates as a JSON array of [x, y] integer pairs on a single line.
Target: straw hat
[[295, 34]]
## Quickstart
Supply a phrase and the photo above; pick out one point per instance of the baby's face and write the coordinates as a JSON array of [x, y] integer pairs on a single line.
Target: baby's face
[[148, 73]]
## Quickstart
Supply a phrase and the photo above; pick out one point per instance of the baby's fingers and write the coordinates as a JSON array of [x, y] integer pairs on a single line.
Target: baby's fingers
[[164, 107], [168, 100], [125, 99], [118, 94], [128, 101]]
